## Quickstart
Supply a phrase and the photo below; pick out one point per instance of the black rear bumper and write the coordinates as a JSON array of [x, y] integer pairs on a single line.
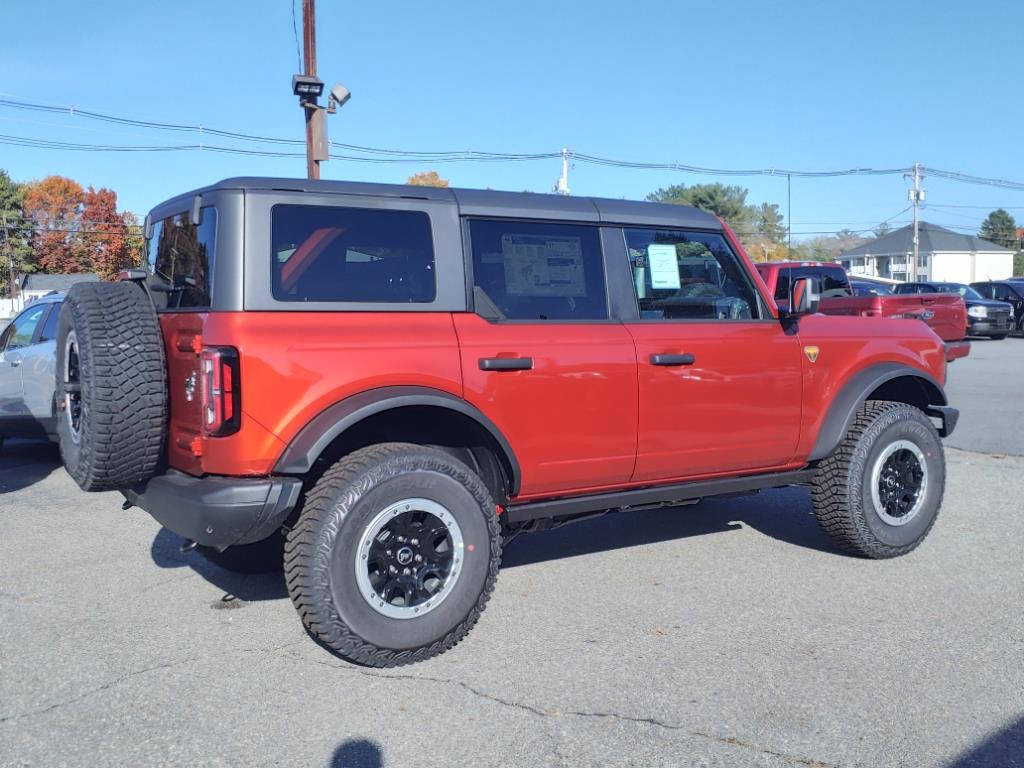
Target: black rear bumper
[[217, 511]]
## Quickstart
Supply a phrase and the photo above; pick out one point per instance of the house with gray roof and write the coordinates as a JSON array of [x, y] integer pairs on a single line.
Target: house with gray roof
[[38, 284], [943, 255]]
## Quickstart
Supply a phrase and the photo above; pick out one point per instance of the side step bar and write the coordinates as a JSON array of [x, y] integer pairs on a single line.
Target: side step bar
[[660, 496]]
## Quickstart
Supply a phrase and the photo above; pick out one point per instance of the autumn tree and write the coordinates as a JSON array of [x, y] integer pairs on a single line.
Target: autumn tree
[[427, 179], [135, 244], [999, 228], [53, 205], [102, 234]]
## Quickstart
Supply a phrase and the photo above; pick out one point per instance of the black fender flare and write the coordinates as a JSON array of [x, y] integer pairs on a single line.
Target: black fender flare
[[313, 439], [856, 391]]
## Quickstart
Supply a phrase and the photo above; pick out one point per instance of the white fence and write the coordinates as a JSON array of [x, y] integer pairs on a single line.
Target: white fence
[[9, 308]]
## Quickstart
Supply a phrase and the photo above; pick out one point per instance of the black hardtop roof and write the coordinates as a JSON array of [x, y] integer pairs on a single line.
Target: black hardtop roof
[[485, 202]]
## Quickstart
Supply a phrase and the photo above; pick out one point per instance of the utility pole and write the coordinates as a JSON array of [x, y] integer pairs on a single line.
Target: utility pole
[[10, 259], [915, 195], [562, 185], [313, 113]]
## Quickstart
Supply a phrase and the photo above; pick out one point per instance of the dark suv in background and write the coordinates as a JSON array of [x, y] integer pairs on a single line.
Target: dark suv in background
[[1009, 291], [984, 316]]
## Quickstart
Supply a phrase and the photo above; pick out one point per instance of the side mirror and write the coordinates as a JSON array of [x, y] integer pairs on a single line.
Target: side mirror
[[803, 298]]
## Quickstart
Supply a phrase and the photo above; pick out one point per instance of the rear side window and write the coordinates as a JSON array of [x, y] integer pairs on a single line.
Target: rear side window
[[831, 282], [688, 276], [526, 270], [181, 257], [324, 253]]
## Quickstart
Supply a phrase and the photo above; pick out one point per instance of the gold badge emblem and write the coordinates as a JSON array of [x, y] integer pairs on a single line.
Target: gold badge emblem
[[811, 352]]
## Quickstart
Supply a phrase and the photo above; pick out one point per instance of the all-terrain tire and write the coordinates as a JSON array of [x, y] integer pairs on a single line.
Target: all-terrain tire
[[842, 497], [265, 556], [112, 429], [323, 550]]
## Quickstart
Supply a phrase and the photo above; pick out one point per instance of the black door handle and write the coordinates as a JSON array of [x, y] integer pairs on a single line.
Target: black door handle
[[666, 359], [506, 363]]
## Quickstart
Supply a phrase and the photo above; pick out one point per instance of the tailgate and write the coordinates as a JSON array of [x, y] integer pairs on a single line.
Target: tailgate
[[945, 313], [181, 331]]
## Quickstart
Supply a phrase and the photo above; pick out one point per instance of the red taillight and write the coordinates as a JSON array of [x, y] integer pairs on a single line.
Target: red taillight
[[221, 393]]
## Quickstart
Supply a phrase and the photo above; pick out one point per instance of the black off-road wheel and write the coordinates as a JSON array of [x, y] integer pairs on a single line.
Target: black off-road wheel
[[394, 556], [878, 495], [111, 386], [265, 556]]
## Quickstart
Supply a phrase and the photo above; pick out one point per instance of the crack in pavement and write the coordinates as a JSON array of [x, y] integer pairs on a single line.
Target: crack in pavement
[[534, 710], [135, 673]]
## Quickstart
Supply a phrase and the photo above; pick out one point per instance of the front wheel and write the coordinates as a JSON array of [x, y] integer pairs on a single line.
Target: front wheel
[[879, 493], [395, 554]]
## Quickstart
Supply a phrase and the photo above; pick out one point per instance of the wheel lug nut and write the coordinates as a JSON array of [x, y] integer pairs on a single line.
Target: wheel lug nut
[[406, 571], [414, 542], [392, 569], [419, 558]]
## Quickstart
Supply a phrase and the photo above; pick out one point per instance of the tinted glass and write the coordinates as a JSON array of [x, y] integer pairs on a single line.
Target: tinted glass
[[181, 256], [861, 288], [830, 282], [50, 326], [538, 271], [688, 275], [24, 327], [323, 253], [958, 288]]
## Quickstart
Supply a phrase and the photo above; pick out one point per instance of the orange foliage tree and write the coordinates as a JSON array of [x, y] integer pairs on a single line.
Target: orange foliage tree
[[79, 230], [427, 179]]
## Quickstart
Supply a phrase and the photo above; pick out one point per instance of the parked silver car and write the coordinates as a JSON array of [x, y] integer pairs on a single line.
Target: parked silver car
[[27, 355]]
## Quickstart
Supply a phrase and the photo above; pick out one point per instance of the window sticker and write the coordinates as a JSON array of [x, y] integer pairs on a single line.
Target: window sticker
[[664, 267], [543, 265]]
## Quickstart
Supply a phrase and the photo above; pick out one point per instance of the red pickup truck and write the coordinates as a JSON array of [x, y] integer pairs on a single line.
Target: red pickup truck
[[944, 314]]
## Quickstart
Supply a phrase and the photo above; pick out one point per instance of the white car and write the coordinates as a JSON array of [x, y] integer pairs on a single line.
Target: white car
[[27, 355]]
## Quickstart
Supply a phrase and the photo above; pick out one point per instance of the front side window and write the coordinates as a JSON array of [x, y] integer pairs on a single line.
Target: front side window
[[24, 327], [181, 257], [526, 270], [688, 276], [324, 253]]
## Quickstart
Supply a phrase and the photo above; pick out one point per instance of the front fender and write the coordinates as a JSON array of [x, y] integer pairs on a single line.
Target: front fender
[[912, 384]]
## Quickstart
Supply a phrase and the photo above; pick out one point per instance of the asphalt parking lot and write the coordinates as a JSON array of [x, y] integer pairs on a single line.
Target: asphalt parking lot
[[726, 634]]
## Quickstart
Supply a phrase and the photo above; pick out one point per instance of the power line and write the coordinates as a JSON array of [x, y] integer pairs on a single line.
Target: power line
[[295, 30]]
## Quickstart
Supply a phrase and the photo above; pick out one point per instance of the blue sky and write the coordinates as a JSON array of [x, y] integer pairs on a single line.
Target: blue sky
[[725, 85]]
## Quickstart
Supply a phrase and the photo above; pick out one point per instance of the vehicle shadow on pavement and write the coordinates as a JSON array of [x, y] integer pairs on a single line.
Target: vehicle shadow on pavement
[[1005, 747], [26, 462], [357, 753], [166, 553], [783, 514]]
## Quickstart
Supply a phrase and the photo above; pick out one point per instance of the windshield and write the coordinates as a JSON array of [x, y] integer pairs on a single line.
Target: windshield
[[959, 288]]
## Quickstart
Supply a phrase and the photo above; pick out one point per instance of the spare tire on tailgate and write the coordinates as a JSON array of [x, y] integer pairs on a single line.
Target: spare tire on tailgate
[[111, 386]]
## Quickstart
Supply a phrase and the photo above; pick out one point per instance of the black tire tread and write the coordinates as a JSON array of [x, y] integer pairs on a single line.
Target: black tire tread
[[352, 476], [124, 385], [830, 490]]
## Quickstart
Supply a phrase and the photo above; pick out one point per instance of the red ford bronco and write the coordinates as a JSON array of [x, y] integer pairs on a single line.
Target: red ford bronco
[[374, 385]]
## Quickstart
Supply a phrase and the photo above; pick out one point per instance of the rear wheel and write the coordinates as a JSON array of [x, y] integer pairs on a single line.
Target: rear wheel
[[111, 386], [999, 336], [878, 495], [395, 554]]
